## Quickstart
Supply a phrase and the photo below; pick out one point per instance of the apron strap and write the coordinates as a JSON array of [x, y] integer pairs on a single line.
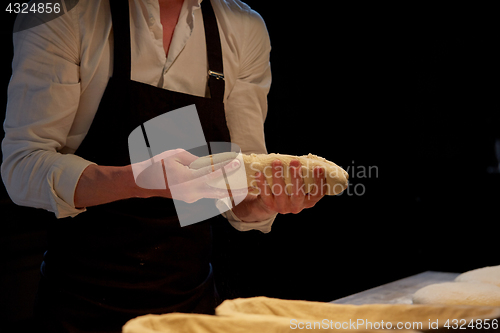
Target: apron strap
[[214, 52], [120, 16]]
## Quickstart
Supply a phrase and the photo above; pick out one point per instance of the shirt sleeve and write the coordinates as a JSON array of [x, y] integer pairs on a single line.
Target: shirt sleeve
[[246, 105], [264, 226], [43, 97]]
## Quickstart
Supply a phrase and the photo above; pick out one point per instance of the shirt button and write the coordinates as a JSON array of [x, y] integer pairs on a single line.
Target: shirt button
[[151, 20]]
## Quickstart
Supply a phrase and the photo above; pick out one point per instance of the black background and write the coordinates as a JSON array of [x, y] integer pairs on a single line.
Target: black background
[[408, 91]]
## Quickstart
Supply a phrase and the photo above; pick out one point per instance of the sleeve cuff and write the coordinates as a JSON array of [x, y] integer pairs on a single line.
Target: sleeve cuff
[[264, 226], [64, 185]]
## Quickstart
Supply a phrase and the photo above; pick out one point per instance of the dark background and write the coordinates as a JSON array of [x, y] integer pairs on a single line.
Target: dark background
[[407, 91]]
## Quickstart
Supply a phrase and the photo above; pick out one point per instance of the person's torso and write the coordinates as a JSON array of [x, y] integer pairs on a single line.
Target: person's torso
[[183, 70], [133, 255]]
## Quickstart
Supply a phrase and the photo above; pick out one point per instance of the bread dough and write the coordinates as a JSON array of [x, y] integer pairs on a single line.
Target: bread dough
[[459, 293], [490, 274], [336, 177]]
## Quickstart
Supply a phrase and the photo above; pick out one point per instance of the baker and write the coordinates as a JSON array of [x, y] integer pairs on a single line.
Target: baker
[[80, 84]]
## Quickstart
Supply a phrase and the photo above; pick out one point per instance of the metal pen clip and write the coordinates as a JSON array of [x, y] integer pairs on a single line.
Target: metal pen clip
[[217, 75]]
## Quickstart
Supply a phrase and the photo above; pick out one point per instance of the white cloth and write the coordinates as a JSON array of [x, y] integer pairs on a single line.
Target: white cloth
[[61, 68]]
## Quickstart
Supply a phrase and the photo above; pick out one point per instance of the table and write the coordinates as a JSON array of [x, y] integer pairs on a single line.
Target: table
[[397, 292]]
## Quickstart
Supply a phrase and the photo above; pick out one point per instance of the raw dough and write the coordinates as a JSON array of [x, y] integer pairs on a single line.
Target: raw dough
[[490, 274], [459, 293], [336, 177]]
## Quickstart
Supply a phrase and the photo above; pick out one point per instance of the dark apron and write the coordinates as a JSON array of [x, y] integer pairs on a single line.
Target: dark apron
[[128, 258]]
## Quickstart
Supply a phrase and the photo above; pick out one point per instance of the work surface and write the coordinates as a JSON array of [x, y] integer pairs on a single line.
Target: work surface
[[397, 292]]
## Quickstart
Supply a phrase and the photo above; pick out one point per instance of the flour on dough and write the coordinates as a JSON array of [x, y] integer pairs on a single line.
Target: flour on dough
[[490, 274], [336, 177], [459, 293]]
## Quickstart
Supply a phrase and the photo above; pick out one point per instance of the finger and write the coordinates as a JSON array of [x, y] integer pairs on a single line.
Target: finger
[[190, 192], [167, 155], [297, 187], [207, 189], [175, 160], [264, 189], [240, 195], [196, 189], [184, 157], [213, 159], [203, 172], [224, 157], [218, 173], [214, 171], [229, 166], [236, 184], [176, 155], [278, 187], [212, 192]]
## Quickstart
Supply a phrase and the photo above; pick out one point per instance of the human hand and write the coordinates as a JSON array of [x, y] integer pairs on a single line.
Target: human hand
[[274, 199], [170, 171]]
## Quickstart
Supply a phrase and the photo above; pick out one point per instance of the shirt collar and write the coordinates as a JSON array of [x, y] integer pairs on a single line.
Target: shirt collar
[[183, 30], [194, 3]]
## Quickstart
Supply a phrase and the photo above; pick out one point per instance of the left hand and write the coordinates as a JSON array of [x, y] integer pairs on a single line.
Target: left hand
[[274, 199]]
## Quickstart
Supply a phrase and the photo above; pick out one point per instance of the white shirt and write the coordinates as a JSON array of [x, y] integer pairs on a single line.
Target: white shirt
[[61, 68]]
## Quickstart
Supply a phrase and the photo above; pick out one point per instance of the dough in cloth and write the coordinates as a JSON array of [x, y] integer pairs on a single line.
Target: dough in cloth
[[490, 274], [459, 293], [272, 315]]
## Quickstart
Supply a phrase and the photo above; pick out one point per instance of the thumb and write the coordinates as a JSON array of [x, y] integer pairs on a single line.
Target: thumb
[[178, 155], [228, 168]]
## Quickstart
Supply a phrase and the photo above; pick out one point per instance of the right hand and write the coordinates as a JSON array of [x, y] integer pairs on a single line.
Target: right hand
[[170, 171]]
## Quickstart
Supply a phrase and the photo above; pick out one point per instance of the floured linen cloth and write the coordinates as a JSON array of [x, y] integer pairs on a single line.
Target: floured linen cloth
[[263, 314]]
